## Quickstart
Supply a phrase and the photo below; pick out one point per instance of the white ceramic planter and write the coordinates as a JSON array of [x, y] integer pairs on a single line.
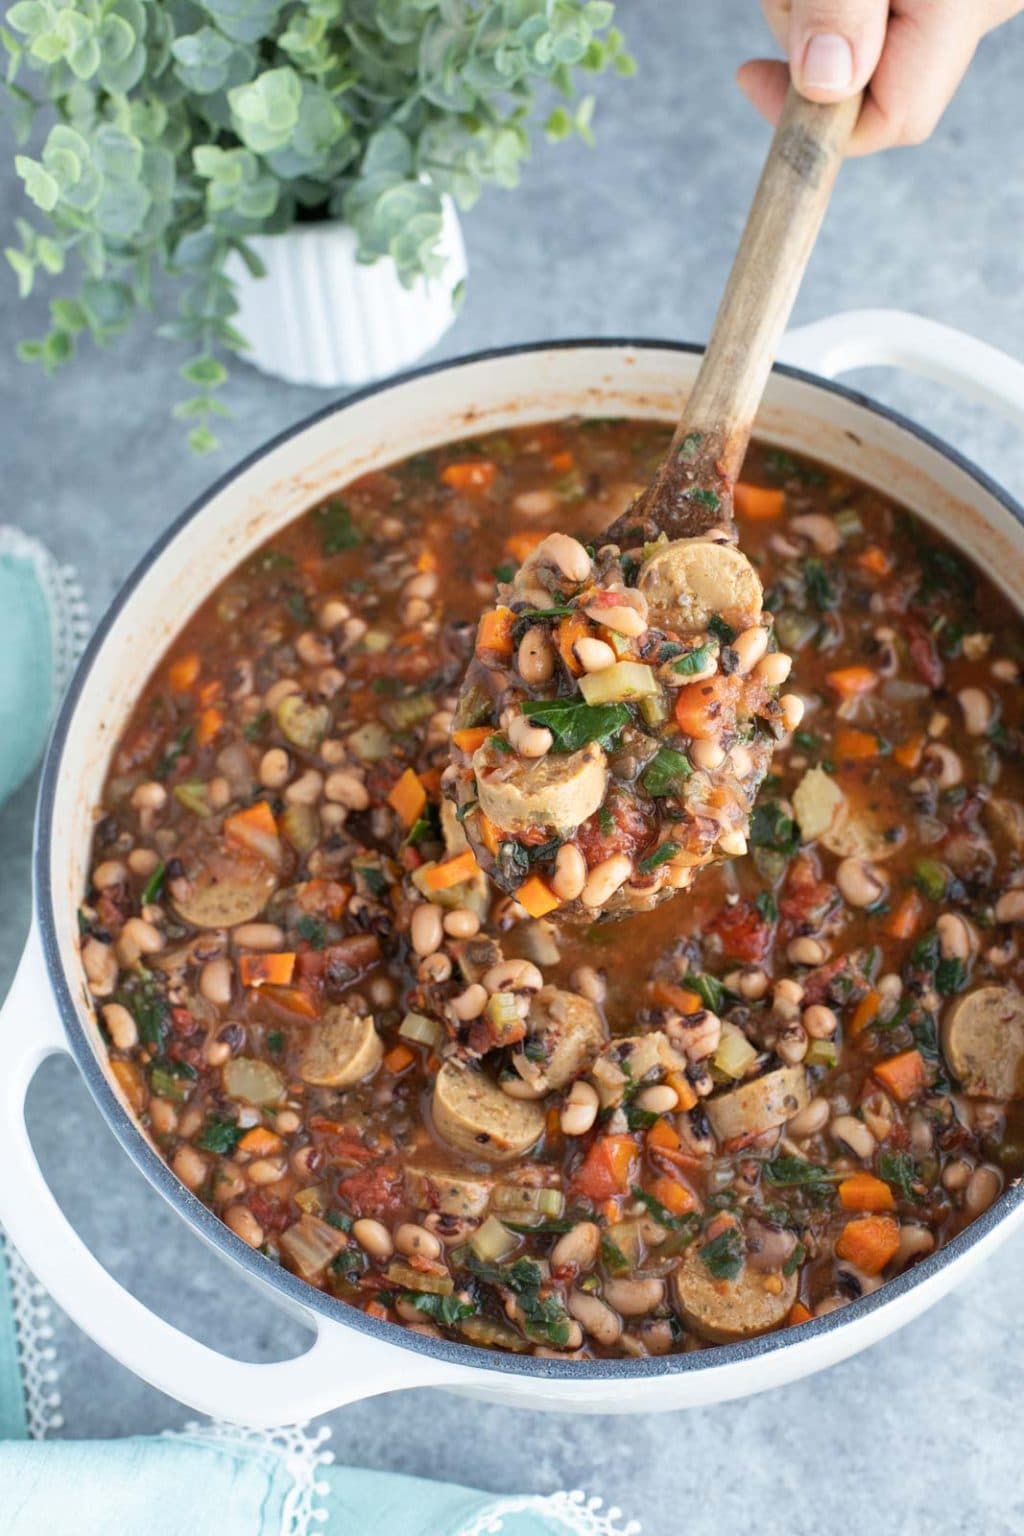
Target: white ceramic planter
[[321, 317], [49, 1010]]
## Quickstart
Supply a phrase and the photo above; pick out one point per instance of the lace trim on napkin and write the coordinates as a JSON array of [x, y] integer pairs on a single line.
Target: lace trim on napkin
[[36, 1353], [299, 1447], [568, 1510], [65, 601]]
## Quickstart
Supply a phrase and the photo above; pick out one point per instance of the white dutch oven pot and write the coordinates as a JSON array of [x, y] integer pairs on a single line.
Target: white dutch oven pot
[[48, 1009]]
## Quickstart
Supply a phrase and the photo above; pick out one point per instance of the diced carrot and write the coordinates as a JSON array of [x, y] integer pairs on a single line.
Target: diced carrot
[[260, 1142], [571, 629], [680, 998], [489, 834], [292, 1000], [908, 753], [874, 560], [537, 897], [798, 1314], [181, 674], [474, 475], [129, 1078], [606, 1169], [562, 462], [426, 560], [852, 743], [904, 919], [703, 709], [430, 778], [851, 682], [471, 737], [211, 723], [451, 872], [494, 632], [521, 545], [274, 969], [869, 1242], [210, 692], [902, 1075], [863, 1192], [257, 817], [684, 1090], [757, 502], [865, 1013], [407, 797], [662, 1136], [553, 1126], [376, 1309], [398, 1058], [673, 1195]]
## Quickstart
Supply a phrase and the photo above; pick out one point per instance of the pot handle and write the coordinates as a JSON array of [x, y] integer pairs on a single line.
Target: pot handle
[[894, 338], [341, 1366]]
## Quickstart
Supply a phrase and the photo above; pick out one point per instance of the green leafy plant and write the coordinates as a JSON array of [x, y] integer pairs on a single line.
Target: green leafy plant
[[178, 129]]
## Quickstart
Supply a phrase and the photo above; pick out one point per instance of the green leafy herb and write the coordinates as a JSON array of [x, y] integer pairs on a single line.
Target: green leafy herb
[[297, 606], [506, 571], [660, 856], [612, 1256], [170, 755], [818, 586], [689, 1221], [723, 1255], [770, 827], [950, 976], [500, 744], [275, 1041], [720, 629], [191, 793], [374, 878], [931, 878], [556, 611], [794, 1261], [446, 1310], [574, 724], [171, 1079], [337, 530], [257, 726], [545, 1317], [638, 1119], [605, 820], [944, 572], [690, 446], [694, 661], [312, 930], [900, 1170], [149, 1008], [789, 1172], [666, 773], [513, 863], [768, 907], [712, 993], [152, 887], [805, 740], [705, 498], [220, 1135], [353, 1261]]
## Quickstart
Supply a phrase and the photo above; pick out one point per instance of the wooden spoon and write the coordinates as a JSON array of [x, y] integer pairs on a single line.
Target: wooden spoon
[[519, 798], [710, 442]]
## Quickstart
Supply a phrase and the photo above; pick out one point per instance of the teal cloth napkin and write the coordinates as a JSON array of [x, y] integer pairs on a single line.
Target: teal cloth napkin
[[42, 628], [213, 1480]]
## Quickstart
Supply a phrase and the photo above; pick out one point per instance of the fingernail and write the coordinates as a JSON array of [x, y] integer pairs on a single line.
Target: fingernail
[[828, 63]]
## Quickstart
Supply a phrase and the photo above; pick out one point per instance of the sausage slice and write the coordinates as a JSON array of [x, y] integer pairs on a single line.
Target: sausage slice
[[453, 1194], [225, 890], [686, 583], [983, 1042], [553, 791], [571, 1031], [759, 1105], [474, 1117], [343, 1048], [722, 1311]]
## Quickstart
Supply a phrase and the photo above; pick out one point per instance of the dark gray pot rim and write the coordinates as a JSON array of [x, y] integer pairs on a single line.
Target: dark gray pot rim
[[202, 1219]]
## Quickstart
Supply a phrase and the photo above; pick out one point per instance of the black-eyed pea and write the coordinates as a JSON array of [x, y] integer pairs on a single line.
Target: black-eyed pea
[[275, 768], [535, 657], [580, 1109], [190, 1166], [413, 1240], [244, 1225], [461, 923]]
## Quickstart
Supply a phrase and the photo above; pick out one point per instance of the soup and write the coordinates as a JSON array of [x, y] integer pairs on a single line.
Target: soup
[[727, 1115]]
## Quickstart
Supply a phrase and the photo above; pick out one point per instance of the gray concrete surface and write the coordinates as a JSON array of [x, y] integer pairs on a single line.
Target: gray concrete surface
[[922, 1434]]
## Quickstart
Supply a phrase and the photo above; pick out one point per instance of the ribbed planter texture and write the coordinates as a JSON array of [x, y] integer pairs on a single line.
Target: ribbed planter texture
[[321, 317]]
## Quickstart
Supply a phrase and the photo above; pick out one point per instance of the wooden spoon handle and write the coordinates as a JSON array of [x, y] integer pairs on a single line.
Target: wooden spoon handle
[[789, 205], [692, 490]]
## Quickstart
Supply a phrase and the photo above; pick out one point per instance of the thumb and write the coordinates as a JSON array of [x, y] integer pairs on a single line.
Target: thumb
[[835, 45]]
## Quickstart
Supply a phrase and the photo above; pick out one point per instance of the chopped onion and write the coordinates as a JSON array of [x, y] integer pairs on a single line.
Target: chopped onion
[[311, 1244], [493, 1241], [254, 1081], [371, 742], [613, 685], [735, 1054]]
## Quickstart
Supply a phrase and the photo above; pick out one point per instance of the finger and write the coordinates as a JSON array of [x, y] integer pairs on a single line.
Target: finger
[[765, 82], [927, 51], [777, 14], [834, 45]]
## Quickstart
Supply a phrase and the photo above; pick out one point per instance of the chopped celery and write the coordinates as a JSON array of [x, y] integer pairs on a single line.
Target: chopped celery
[[654, 709], [793, 629], [524, 1199], [503, 1009], [404, 713], [421, 1029], [735, 1054], [821, 1053], [400, 1273], [376, 640], [493, 1241], [371, 742], [191, 793], [847, 520], [615, 684]]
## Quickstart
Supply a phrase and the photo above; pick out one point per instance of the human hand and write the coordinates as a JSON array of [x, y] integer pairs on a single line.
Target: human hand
[[910, 54]]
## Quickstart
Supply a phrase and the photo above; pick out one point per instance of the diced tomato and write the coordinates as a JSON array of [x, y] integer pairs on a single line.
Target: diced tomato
[[744, 933], [806, 898], [605, 1171], [624, 824], [376, 1191]]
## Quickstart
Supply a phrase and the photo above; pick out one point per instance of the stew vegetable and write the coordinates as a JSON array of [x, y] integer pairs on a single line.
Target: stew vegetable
[[726, 1115]]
